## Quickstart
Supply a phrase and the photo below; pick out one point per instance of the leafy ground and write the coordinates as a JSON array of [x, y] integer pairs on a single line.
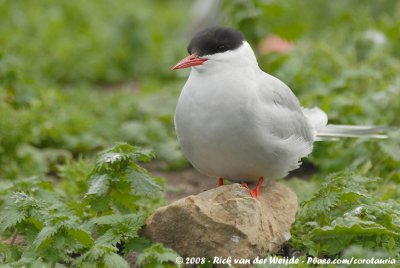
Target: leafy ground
[[82, 84]]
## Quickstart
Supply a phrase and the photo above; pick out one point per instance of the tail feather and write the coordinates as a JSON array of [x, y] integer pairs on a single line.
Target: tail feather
[[330, 132], [324, 131]]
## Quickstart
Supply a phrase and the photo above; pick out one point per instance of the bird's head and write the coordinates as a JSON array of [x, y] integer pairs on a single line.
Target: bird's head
[[215, 45]]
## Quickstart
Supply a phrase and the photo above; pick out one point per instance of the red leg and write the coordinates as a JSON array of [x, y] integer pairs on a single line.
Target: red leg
[[246, 186], [254, 192], [220, 182]]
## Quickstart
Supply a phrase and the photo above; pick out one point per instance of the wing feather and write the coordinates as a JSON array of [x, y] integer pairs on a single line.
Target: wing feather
[[286, 128], [285, 118]]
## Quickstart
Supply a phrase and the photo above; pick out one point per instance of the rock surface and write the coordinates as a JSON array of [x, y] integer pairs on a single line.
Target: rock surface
[[226, 221]]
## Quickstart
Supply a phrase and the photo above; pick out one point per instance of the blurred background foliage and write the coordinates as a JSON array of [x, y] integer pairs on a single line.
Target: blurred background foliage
[[78, 76]]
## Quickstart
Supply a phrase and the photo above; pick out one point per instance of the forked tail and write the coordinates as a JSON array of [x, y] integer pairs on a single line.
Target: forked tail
[[325, 131]]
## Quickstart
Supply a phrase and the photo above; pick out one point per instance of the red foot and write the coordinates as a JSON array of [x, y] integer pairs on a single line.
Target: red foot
[[220, 182], [254, 192]]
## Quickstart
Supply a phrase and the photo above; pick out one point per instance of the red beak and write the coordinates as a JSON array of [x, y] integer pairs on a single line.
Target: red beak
[[189, 61]]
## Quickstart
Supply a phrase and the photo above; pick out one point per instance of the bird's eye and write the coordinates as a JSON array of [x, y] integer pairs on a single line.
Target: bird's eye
[[221, 47]]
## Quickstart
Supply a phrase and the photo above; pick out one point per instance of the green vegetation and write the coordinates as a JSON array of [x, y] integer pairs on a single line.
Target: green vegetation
[[77, 77], [103, 214]]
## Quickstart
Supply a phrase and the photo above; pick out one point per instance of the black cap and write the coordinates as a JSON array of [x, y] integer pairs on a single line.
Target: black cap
[[215, 39]]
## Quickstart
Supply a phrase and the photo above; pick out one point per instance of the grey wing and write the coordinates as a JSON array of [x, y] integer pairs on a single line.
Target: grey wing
[[286, 130], [285, 111]]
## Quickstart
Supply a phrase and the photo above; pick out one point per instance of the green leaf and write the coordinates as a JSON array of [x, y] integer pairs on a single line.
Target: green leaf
[[100, 204], [157, 253], [6, 252], [344, 231], [81, 236], [10, 216], [339, 189], [137, 244], [118, 227], [98, 185], [340, 214], [143, 184], [118, 158], [357, 251], [44, 237], [322, 202], [95, 253], [112, 236], [351, 225], [113, 260], [134, 220]]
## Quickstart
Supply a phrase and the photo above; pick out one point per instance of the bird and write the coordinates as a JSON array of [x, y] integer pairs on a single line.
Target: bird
[[234, 121]]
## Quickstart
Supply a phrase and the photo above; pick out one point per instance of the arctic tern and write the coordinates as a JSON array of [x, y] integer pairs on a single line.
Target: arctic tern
[[235, 121]]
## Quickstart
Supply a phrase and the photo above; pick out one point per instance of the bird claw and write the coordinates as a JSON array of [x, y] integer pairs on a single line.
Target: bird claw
[[253, 192], [256, 191]]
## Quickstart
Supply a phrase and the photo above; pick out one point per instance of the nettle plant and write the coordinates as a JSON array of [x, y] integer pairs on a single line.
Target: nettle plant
[[344, 214], [43, 223]]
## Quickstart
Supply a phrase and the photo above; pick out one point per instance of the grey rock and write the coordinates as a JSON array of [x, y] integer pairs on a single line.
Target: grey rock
[[226, 221]]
